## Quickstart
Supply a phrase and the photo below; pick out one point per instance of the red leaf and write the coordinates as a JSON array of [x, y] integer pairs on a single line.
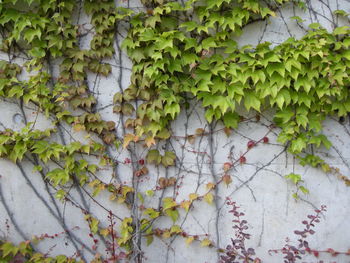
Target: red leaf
[[251, 144], [242, 159]]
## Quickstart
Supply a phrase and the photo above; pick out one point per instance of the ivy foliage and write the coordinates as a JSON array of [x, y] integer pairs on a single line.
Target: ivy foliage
[[25, 253], [302, 80], [181, 52]]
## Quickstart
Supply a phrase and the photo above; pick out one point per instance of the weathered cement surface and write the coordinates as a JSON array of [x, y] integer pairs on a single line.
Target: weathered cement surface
[[258, 186]]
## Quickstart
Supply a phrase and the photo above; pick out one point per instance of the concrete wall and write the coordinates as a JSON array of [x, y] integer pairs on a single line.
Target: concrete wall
[[258, 186]]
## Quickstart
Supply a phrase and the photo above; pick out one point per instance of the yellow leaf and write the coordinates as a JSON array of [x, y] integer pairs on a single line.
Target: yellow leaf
[[189, 240], [326, 168], [210, 186], [104, 232], [166, 234], [60, 99], [209, 198], [94, 225], [150, 141], [185, 205], [78, 127], [93, 183], [121, 200], [175, 229], [205, 242], [127, 139], [112, 197], [193, 196]]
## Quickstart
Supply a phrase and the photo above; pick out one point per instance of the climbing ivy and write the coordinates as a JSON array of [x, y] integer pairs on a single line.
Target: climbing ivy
[[182, 52]]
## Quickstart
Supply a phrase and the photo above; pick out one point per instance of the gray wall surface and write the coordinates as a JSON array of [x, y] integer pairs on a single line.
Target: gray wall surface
[[258, 187]]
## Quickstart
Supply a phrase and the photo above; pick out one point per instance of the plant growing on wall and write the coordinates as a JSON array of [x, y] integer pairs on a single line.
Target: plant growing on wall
[[183, 53]]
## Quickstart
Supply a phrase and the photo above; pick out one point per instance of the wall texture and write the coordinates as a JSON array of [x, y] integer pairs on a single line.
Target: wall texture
[[28, 206]]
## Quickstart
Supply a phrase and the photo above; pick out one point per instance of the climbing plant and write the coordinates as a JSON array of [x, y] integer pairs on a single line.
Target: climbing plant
[[182, 53]]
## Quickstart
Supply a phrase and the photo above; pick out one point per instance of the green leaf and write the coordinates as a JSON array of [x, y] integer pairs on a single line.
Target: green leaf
[[251, 101], [168, 203], [163, 43], [173, 214], [297, 18], [58, 176], [295, 178], [315, 26], [304, 190], [150, 193], [209, 114], [276, 67], [164, 134], [283, 97], [346, 54], [153, 156], [209, 43], [127, 109], [30, 34], [152, 213], [284, 116], [320, 139], [343, 30], [137, 54], [149, 239], [168, 159], [37, 52], [8, 248], [172, 109], [175, 65], [340, 13], [231, 119], [60, 194], [298, 145], [302, 120], [189, 58], [190, 26]]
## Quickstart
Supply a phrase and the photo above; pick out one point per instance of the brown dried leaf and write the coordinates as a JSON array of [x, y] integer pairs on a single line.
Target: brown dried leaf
[[191, 139], [227, 179], [200, 131]]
